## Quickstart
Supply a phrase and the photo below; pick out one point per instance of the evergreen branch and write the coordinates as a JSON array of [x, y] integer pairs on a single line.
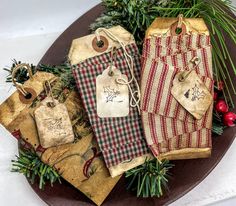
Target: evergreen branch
[[217, 128], [63, 71], [21, 75], [57, 70], [217, 124], [149, 179], [29, 164]]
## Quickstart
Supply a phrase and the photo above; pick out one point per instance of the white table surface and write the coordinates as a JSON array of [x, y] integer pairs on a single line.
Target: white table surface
[[27, 29]]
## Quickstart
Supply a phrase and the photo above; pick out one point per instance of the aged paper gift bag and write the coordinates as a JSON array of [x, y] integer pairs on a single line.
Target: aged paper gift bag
[[80, 163]]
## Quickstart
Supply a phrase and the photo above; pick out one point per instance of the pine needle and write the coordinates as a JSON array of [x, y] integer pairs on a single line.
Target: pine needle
[[149, 179], [29, 164]]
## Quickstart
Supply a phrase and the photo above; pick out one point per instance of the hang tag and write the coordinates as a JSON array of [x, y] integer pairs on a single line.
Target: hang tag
[[112, 98], [53, 123], [191, 93]]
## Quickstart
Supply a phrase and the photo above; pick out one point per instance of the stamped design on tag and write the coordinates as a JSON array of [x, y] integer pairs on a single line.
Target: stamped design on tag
[[197, 93], [191, 93], [53, 124], [112, 98], [112, 94]]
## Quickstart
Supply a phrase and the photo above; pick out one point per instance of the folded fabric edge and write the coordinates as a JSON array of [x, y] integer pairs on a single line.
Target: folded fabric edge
[[186, 153], [125, 166]]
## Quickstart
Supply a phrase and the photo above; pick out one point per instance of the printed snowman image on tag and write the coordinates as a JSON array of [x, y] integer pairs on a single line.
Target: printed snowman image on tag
[[112, 97], [189, 90]]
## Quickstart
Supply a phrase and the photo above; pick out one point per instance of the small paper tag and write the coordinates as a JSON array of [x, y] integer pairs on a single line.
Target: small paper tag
[[191, 93], [112, 98], [53, 123]]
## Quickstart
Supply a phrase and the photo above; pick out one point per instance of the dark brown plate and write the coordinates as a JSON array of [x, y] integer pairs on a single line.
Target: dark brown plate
[[186, 173]]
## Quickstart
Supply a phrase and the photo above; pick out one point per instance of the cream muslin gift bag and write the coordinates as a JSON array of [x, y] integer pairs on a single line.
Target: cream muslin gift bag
[[174, 131]]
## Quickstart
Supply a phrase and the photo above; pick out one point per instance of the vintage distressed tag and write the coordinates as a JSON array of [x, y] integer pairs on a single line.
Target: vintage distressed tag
[[191, 93], [112, 98], [53, 123]]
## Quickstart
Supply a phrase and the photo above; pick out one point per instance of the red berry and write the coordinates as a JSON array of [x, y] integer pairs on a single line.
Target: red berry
[[221, 106], [229, 119], [215, 96]]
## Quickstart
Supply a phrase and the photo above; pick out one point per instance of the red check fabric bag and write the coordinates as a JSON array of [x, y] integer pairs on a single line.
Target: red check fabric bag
[[167, 125], [120, 139]]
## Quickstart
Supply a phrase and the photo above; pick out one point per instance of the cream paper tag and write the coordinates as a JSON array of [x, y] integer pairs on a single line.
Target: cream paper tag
[[112, 98], [53, 123], [191, 93]]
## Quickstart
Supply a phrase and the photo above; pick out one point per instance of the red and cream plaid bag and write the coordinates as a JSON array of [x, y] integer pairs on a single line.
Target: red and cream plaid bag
[[120, 138], [170, 130]]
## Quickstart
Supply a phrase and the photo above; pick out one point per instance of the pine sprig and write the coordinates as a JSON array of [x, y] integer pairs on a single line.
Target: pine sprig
[[134, 15], [217, 128], [21, 75], [29, 164], [217, 124], [57, 70], [63, 71], [149, 179]]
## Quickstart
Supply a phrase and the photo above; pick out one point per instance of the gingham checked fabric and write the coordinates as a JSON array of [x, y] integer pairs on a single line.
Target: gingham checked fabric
[[120, 139], [167, 125]]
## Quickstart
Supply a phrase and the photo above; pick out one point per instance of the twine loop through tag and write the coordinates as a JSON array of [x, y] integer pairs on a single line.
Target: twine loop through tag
[[196, 61], [135, 95], [178, 28], [19, 87], [180, 21], [113, 56], [26, 95], [48, 90]]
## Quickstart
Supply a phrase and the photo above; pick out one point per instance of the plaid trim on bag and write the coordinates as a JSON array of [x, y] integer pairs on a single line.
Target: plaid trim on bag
[[120, 139], [167, 125]]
